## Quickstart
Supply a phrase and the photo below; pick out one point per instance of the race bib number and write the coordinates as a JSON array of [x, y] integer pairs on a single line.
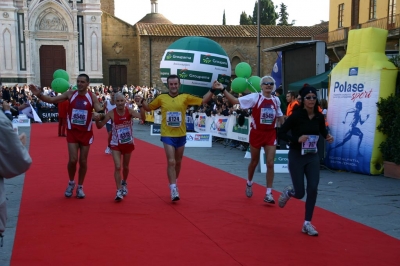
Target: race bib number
[[79, 117], [267, 116], [310, 145], [174, 119], [124, 135]]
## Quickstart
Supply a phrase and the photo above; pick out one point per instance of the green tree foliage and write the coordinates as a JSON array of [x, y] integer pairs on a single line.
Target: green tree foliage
[[245, 19], [283, 16], [268, 16], [224, 19]]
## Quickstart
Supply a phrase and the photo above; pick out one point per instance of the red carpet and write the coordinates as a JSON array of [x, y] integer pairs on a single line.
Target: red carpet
[[213, 224]]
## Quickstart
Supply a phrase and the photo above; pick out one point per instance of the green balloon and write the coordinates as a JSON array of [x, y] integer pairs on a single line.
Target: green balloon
[[59, 85], [254, 84], [239, 85], [61, 73], [243, 70], [75, 87]]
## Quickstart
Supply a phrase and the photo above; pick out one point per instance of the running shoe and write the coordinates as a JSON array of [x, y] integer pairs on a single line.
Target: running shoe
[[119, 195], [124, 188], [79, 193], [269, 198], [70, 189], [284, 197], [249, 191], [107, 151], [309, 229], [175, 194]]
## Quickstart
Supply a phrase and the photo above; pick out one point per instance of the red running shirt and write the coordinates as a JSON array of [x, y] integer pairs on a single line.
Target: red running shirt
[[80, 112], [121, 128], [264, 114]]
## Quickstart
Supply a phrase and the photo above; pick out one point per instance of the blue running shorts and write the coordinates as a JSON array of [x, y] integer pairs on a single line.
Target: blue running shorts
[[174, 141]]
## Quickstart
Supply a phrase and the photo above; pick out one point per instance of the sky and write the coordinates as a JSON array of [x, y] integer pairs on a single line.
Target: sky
[[210, 12]]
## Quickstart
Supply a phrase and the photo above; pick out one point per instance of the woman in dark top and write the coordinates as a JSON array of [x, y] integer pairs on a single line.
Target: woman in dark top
[[306, 124]]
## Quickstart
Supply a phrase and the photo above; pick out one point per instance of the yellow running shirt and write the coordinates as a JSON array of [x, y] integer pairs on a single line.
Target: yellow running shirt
[[173, 112]]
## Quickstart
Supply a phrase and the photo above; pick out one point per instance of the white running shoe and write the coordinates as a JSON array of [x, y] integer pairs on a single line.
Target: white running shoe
[[284, 197], [269, 198], [79, 193], [70, 189], [119, 195], [175, 194], [124, 188], [249, 190], [309, 229]]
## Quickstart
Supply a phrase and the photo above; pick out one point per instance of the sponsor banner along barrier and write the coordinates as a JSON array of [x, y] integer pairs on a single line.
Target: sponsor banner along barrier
[[198, 140], [280, 161], [222, 126]]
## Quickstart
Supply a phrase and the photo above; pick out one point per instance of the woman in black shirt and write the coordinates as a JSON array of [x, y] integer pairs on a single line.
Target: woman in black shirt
[[306, 125]]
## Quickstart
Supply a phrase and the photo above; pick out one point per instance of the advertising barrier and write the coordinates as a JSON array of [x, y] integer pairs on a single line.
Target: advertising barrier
[[155, 129], [280, 161], [222, 126], [198, 140]]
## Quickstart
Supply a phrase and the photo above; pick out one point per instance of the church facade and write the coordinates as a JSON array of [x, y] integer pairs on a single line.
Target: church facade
[[39, 36], [84, 36]]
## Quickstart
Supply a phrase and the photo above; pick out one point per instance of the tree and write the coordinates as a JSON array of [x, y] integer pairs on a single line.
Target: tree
[[268, 16], [283, 16], [223, 19], [245, 19]]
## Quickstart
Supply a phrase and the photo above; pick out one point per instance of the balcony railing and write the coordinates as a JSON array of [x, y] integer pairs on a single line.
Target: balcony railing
[[338, 35], [383, 23]]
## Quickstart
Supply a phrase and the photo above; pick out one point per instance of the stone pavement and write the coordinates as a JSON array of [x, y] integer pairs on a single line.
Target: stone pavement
[[370, 200]]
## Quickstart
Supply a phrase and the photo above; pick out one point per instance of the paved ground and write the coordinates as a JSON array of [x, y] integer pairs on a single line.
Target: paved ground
[[370, 200]]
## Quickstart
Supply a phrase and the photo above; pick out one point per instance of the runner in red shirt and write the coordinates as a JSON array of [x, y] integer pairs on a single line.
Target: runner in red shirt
[[79, 132], [265, 111], [121, 143]]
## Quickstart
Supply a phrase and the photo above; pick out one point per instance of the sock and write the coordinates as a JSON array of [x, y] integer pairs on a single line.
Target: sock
[[176, 181], [72, 182], [306, 222], [172, 186], [249, 183], [269, 190], [80, 186]]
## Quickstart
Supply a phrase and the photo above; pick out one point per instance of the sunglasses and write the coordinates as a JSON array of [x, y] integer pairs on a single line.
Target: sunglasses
[[268, 83], [310, 98]]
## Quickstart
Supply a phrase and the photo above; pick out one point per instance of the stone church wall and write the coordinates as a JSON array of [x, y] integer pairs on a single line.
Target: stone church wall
[[120, 47], [108, 6]]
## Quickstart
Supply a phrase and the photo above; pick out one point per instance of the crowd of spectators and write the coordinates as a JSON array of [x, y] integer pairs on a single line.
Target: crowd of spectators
[[19, 96]]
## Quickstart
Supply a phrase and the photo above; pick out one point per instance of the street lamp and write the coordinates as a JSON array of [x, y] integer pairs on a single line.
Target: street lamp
[[258, 40]]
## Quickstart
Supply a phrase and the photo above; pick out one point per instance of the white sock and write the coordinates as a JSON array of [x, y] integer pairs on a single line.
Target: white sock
[[249, 183], [306, 222], [71, 182], [80, 186], [172, 186], [269, 190]]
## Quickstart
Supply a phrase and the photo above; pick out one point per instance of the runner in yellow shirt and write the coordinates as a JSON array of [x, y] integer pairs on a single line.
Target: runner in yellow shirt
[[173, 126]]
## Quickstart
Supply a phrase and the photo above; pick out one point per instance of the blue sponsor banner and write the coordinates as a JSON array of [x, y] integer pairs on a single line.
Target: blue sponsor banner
[[277, 70], [189, 123]]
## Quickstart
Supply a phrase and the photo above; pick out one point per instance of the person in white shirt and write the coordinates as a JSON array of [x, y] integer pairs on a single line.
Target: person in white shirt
[[108, 106]]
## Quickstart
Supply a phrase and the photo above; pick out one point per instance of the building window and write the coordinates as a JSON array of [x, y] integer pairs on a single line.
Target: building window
[[372, 9], [340, 15], [392, 12]]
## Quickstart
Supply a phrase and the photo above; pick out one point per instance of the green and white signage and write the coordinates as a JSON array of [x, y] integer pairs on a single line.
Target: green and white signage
[[198, 61]]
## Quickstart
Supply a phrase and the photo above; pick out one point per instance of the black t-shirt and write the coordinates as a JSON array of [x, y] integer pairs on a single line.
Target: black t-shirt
[[300, 124]]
